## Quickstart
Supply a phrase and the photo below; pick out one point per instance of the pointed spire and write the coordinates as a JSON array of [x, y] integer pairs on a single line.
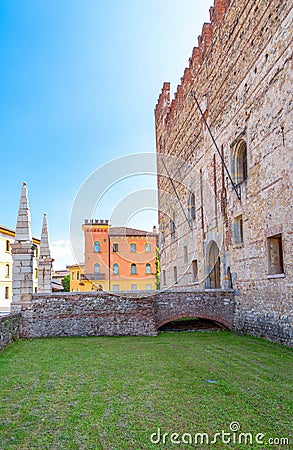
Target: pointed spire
[[44, 247], [23, 230]]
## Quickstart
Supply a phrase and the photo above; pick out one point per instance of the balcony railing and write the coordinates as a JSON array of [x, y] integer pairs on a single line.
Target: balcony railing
[[93, 276]]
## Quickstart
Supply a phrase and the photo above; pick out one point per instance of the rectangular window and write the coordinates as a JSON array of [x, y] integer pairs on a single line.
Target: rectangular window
[[7, 246], [115, 287], [238, 230], [164, 277], [115, 248], [185, 252], [37, 252], [147, 247], [275, 255], [134, 287], [36, 273], [148, 287], [133, 247], [172, 228], [175, 275], [6, 293], [72, 276], [7, 270], [194, 270]]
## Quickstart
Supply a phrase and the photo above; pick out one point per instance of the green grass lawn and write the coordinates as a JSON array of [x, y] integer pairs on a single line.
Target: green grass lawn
[[113, 393]]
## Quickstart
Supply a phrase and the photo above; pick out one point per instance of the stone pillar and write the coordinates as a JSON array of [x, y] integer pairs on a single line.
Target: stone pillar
[[45, 262], [23, 251]]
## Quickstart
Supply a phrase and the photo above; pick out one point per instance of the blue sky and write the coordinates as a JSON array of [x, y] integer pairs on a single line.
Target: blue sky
[[79, 80]]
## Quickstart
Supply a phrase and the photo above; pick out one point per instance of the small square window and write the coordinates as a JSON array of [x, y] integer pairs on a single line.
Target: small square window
[[134, 287], [275, 255], [115, 287], [148, 287], [133, 247]]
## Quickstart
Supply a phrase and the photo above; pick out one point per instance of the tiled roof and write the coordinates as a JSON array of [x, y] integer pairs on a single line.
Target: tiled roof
[[125, 231]]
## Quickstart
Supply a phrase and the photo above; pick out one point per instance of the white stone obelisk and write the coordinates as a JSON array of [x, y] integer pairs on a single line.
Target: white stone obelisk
[[45, 262], [22, 250]]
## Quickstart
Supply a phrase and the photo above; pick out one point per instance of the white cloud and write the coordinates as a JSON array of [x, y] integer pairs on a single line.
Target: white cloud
[[62, 254]]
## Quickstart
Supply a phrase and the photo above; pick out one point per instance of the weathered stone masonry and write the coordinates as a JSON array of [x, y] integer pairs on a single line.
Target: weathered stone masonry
[[241, 74], [104, 314], [10, 329]]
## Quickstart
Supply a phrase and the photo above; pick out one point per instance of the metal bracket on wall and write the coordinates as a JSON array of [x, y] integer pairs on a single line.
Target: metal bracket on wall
[[235, 187]]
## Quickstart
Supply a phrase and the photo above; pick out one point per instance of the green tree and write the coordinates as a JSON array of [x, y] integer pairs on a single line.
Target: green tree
[[158, 269], [66, 283]]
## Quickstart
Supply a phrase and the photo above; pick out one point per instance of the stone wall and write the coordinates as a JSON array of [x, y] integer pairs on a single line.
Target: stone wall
[[87, 314], [132, 313], [10, 329], [241, 74]]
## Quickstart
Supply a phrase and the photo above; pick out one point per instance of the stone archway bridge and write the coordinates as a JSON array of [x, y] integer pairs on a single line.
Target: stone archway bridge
[[129, 313]]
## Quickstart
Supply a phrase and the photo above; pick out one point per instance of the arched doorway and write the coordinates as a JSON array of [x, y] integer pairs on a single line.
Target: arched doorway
[[214, 273]]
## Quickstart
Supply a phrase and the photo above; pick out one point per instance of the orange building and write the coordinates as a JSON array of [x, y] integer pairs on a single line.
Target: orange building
[[116, 259]]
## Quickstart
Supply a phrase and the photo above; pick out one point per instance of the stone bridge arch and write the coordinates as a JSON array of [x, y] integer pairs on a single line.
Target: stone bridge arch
[[216, 305], [216, 320]]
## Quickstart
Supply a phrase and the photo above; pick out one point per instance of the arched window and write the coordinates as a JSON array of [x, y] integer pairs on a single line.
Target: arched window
[[148, 269], [133, 247], [97, 268], [133, 269], [191, 206], [115, 269], [97, 247], [240, 161]]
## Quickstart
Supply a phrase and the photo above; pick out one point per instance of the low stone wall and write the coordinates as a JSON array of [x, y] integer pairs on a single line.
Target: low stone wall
[[129, 313], [10, 329], [266, 324], [87, 314]]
